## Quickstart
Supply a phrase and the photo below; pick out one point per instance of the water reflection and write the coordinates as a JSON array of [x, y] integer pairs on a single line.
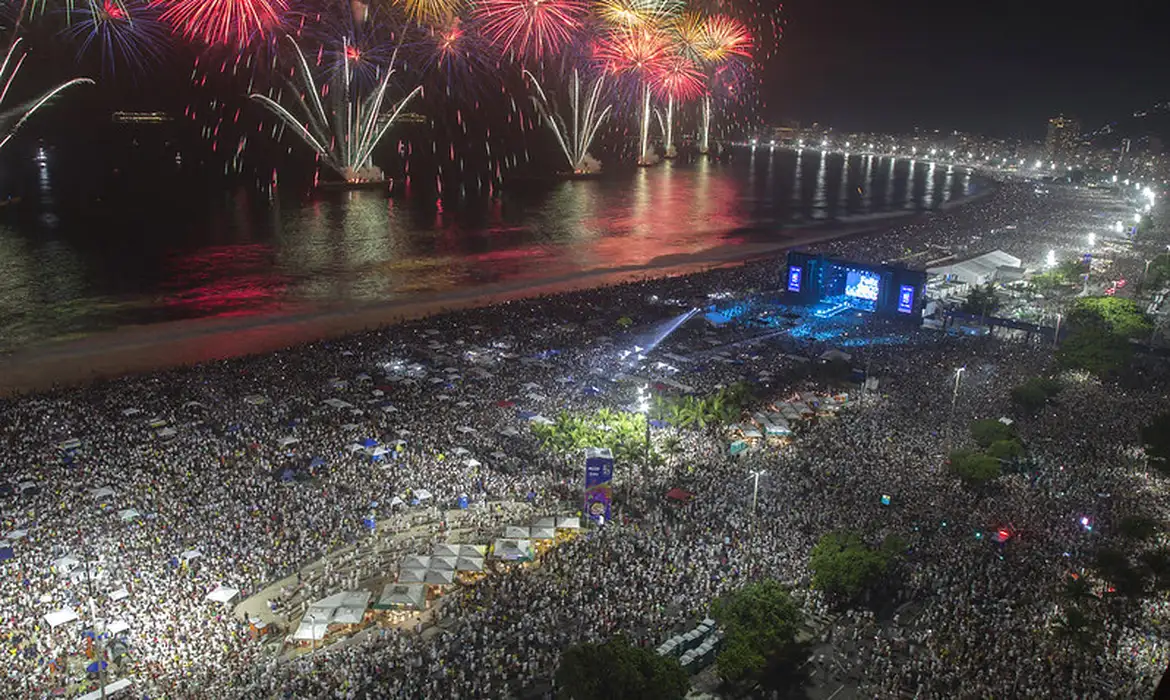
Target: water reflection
[[242, 253]]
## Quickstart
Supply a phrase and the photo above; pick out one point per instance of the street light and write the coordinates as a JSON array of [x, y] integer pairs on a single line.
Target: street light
[[954, 402], [755, 475], [644, 409]]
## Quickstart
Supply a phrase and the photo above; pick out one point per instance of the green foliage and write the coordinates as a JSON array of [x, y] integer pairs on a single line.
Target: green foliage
[[1157, 563], [1005, 449], [1139, 527], [974, 468], [761, 623], [981, 301], [988, 431], [1114, 567], [623, 433], [843, 565], [1122, 316], [1033, 394], [1077, 626], [615, 670], [1156, 441]]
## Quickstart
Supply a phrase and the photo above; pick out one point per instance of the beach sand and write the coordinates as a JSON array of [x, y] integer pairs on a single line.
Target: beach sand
[[137, 349]]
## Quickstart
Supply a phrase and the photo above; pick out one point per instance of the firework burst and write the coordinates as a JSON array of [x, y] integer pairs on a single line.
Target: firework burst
[[345, 134], [575, 135], [126, 33], [12, 119], [723, 38], [223, 22], [531, 28], [638, 14], [431, 12]]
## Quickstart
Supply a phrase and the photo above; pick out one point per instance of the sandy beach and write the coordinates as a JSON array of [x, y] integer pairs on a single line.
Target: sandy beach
[[136, 349]]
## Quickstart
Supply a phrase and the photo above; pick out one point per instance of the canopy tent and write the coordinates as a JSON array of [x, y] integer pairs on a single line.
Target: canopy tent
[[980, 269], [548, 521], [517, 532], [543, 533], [422, 495], [412, 575], [286, 441], [469, 564], [569, 523], [396, 595], [65, 564], [312, 627], [222, 594], [513, 550], [443, 549], [439, 578], [60, 617], [473, 550], [415, 561], [102, 494], [128, 514], [119, 594], [443, 563], [353, 607], [190, 554]]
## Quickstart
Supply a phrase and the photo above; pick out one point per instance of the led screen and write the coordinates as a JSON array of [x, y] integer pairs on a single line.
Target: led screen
[[906, 299], [862, 285], [794, 275]]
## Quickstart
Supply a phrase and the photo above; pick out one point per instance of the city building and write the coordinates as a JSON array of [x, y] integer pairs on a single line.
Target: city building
[[1063, 138]]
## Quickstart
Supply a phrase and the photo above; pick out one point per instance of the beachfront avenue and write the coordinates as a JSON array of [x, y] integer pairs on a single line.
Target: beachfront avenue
[[139, 501]]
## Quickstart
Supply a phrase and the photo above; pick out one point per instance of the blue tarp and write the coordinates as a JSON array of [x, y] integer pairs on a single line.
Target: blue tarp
[[317, 462], [93, 667], [6, 553], [369, 442], [526, 415], [288, 475], [369, 523], [464, 502]]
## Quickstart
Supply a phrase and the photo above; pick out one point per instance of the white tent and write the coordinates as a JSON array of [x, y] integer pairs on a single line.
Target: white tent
[[980, 269], [517, 532], [190, 554], [222, 594], [473, 550], [353, 608], [60, 617], [286, 441], [119, 594], [117, 627], [543, 533], [422, 495], [549, 521], [460, 451], [313, 627], [128, 514], [65, 564], [112, 689], [512, 550], [103, 493]]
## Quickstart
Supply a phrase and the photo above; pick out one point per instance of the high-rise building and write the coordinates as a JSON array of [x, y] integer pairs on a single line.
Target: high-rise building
[[1061, 142]]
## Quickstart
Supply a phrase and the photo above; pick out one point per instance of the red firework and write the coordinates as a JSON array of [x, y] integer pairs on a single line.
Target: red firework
[[531, 28], [678, 77], [222, 22], [641, 52]]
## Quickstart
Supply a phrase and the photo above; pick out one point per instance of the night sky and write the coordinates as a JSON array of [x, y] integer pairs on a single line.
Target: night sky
[[990, 67]]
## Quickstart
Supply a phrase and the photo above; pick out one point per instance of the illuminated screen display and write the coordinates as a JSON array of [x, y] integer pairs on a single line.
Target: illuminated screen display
[[794, 275], [906, 299], [862, 285]]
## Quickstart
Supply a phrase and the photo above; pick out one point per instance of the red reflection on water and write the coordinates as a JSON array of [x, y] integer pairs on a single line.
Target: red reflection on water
[[234, 280]]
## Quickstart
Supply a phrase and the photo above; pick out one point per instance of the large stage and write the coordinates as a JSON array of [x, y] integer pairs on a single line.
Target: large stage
[[833, 286]]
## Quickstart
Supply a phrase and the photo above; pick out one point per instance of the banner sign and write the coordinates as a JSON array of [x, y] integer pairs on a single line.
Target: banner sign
[[598, 483]]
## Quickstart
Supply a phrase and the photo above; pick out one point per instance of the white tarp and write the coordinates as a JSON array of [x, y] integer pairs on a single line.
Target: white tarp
[[119, 594], [128, 514], [102, 493], [222, 594], [117, 627], [286, 441], [422, 495], [60, 617], [65, 564], [190, 554]]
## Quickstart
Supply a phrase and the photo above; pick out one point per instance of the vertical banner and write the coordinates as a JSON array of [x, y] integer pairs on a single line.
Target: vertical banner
[[598, 483]]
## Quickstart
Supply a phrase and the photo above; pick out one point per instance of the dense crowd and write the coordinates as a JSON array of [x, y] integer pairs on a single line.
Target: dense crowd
[[201, 456]]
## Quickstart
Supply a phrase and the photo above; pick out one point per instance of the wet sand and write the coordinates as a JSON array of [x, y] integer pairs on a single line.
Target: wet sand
[[137, 349]]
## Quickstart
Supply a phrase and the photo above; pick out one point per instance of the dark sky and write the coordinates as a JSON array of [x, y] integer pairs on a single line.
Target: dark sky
[[990, 67]]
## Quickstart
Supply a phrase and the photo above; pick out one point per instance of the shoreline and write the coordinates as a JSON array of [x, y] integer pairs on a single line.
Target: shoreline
[[139, 349]]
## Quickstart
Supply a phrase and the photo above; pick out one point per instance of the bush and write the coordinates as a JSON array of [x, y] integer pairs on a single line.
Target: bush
[[987, 431], [1033, 394], [617, 670], [761, 623], [974, 468]]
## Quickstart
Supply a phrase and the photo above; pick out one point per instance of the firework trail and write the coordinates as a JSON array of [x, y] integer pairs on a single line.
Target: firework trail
[[638, 54], [723, 41], [677, 79], [531, 28], [223, 22], [345, 135], [575, 137], [125, 32], [12, 120]]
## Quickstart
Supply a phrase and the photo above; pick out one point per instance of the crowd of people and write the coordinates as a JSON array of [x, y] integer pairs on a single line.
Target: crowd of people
[[198, 461]]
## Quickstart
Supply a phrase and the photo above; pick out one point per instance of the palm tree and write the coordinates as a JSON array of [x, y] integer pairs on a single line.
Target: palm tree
[[671, 446]]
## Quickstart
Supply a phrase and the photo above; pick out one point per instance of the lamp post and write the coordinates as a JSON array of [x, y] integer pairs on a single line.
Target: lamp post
[[954, 403], [1056, 334], [755, 476], [644, 409], [97, 639]]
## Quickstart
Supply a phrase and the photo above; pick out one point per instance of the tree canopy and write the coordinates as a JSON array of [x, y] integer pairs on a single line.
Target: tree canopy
[[974, 468], [761, 623], [988, 431], [1033, 394], [1123, 317], [616, 670], [843, 565], [1099, 332]]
